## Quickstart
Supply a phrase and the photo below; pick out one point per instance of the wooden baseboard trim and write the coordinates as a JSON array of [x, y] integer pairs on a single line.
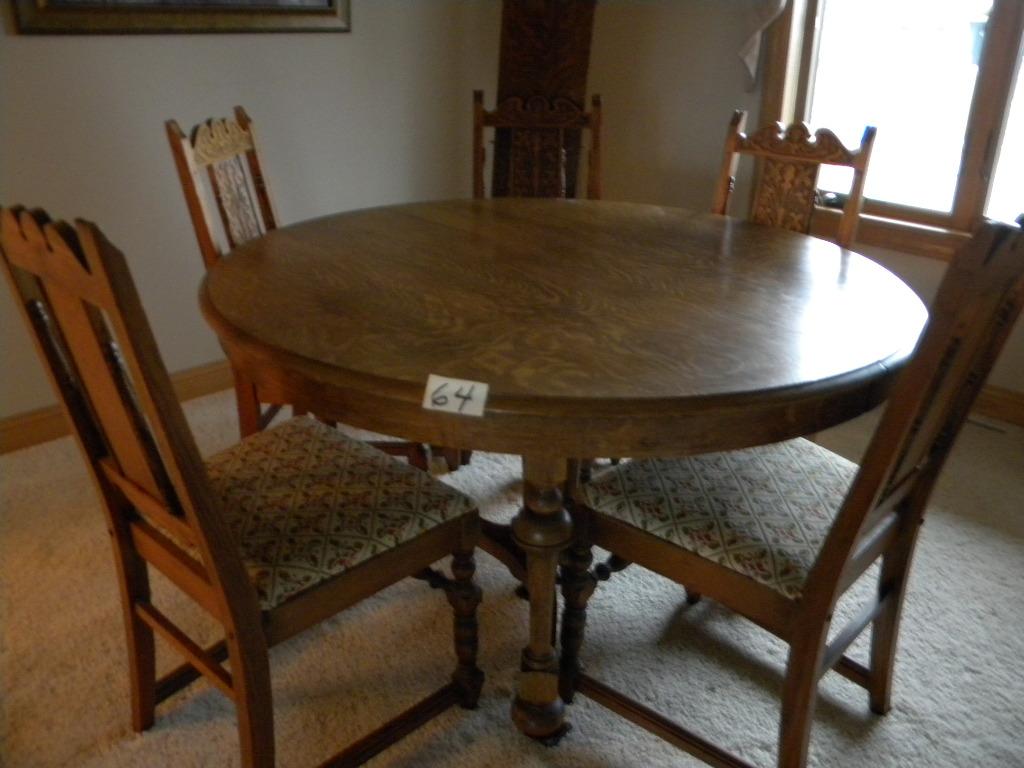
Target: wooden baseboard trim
[[202, 380], [1002, 404], [44, 424], [25, 429]]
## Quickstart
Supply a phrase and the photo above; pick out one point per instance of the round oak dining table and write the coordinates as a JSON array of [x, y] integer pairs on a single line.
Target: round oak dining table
[[598, 328]]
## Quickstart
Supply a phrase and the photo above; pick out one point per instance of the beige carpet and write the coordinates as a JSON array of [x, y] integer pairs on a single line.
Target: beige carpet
[[960, 687]]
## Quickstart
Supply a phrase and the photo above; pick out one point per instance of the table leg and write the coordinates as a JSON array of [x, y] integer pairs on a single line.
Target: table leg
[[542, 529]]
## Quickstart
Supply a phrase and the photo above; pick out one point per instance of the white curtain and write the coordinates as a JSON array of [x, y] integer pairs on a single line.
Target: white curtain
[[758, 19]]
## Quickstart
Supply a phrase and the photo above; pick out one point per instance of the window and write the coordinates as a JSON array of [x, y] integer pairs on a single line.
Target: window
[[1006, 197], [938, 78]]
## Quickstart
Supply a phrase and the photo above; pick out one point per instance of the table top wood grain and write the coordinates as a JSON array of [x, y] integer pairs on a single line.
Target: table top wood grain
[[601, 328]]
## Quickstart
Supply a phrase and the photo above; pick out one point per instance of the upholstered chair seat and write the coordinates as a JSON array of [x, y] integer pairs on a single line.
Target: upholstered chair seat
[[306, 503], [763, 512]]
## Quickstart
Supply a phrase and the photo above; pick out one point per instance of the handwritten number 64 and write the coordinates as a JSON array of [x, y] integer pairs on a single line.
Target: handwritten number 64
[[437, 398], [465, 397], [440, 400]]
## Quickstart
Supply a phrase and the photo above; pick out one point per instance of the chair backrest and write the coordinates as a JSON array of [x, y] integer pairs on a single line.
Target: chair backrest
[[218, 160], [540, 132], [787, 181], [78, 298], [973, 313]]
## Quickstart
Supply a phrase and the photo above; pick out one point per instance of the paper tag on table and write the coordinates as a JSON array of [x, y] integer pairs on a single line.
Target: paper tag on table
[[466, 398]]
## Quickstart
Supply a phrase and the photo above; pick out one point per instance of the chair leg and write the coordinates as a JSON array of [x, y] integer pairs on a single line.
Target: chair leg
[[268, 415], [799, 695], [465, 595], [250, 675], [248, 407], [142, 672], [133, 580], [415, 453], [419, 457], [884, 632], [886, 626], [578, 585], [453, 457]]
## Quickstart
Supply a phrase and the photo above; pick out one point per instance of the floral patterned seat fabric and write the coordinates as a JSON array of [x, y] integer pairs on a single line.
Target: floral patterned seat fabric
[[307, 503], [763, 512]]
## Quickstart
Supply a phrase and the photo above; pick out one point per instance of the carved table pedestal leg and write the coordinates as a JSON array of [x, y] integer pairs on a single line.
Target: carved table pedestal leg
[[542, 529], [578, 585]]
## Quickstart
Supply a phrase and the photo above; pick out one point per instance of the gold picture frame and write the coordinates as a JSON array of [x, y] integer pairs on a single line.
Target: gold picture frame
[[95, 17]]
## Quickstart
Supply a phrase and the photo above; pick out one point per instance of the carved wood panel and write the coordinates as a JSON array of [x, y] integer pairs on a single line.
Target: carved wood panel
[[786, 194], [235, 200], [545, 51], [538, 129], [221, 145], [537, 163]]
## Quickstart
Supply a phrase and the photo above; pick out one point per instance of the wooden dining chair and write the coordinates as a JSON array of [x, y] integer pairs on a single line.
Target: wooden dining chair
[[779, 533], [229, 203], [269, 537], [541, 136], [786, 190]]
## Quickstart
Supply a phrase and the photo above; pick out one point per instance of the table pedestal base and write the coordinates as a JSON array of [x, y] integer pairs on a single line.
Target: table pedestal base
[[542, 529]]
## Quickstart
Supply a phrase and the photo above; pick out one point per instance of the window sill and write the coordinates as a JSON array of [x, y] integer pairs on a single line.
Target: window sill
[[916, 239]]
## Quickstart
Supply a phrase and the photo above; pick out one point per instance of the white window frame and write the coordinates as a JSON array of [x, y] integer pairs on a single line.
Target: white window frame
[[788, 64]]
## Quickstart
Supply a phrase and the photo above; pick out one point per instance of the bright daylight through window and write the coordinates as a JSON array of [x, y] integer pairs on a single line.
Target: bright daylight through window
[[1006, 200], [910, 68]]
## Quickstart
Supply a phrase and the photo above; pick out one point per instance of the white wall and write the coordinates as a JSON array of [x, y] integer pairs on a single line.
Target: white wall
[[376, 116], [379, 115], [669, 78]]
